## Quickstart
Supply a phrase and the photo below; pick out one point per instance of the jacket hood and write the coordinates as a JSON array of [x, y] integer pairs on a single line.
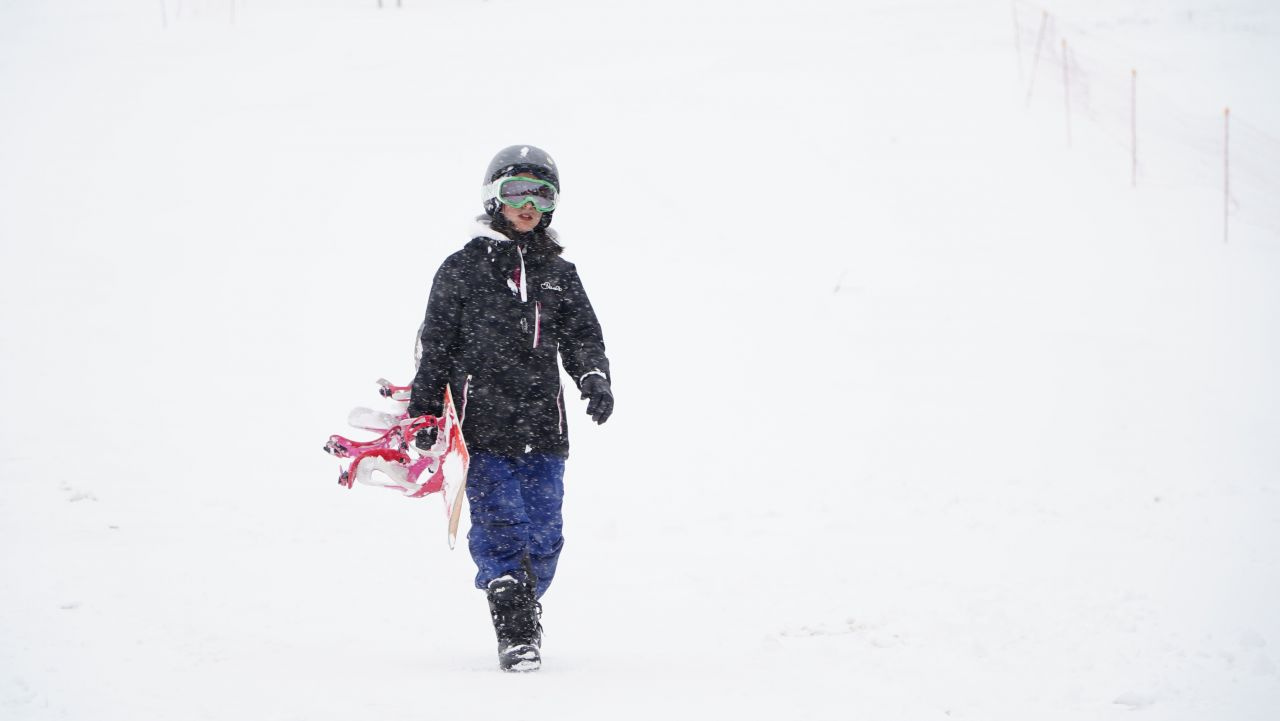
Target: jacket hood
[[539, 242]]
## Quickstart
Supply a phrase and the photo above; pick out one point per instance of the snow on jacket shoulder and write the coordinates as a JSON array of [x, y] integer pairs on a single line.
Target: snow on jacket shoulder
[[497, 317]]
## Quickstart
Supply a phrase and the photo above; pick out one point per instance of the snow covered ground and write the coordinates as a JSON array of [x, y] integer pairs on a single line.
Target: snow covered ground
[[920, 414]]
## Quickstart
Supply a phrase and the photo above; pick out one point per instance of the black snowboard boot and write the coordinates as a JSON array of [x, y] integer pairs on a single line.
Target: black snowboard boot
[[515, 611]]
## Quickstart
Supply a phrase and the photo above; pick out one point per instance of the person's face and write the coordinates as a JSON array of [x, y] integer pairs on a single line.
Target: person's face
[[525, 218]]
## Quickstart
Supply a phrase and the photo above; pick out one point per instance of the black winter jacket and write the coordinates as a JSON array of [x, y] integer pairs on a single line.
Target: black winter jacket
[[498, 351]]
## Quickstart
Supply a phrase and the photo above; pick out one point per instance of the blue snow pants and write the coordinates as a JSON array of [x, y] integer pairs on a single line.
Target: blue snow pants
[[515, 515]]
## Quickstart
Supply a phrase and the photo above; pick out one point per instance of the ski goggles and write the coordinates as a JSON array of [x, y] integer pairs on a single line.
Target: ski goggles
[[518, 191]]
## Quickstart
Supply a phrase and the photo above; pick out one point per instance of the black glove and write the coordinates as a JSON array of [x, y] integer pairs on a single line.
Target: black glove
[[425, 438], [596, 387]]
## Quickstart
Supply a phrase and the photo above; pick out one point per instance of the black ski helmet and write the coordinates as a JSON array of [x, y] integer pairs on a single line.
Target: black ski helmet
[[518, 159]]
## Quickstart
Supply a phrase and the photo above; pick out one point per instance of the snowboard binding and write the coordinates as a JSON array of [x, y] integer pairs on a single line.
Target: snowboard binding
[[397, 460]]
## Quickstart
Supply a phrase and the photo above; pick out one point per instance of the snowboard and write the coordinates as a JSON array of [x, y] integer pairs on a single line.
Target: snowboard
[[392, 460]]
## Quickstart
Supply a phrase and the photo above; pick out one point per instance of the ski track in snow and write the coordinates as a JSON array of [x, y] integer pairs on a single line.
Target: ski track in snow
[[946, 422]]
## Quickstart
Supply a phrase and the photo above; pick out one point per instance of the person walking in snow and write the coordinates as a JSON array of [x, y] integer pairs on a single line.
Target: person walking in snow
[[500, 312]]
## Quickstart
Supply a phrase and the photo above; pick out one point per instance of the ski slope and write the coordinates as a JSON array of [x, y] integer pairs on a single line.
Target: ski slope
[[921, 415]]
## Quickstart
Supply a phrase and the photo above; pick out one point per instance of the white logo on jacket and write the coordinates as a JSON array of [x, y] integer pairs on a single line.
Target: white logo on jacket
[[546, 285]]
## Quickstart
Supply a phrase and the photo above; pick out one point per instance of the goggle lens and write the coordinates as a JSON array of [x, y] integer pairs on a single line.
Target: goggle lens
[[516, 192]]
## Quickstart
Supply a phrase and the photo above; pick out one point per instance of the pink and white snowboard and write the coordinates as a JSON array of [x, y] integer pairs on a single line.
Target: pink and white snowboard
[[398, 463]]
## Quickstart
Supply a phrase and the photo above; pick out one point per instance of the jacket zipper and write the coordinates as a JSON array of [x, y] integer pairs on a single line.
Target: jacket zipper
[[466, 387], [560, 408], [537, 322]]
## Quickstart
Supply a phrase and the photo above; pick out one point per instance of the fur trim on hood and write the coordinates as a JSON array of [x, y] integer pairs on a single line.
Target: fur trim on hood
[[539, 241]]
